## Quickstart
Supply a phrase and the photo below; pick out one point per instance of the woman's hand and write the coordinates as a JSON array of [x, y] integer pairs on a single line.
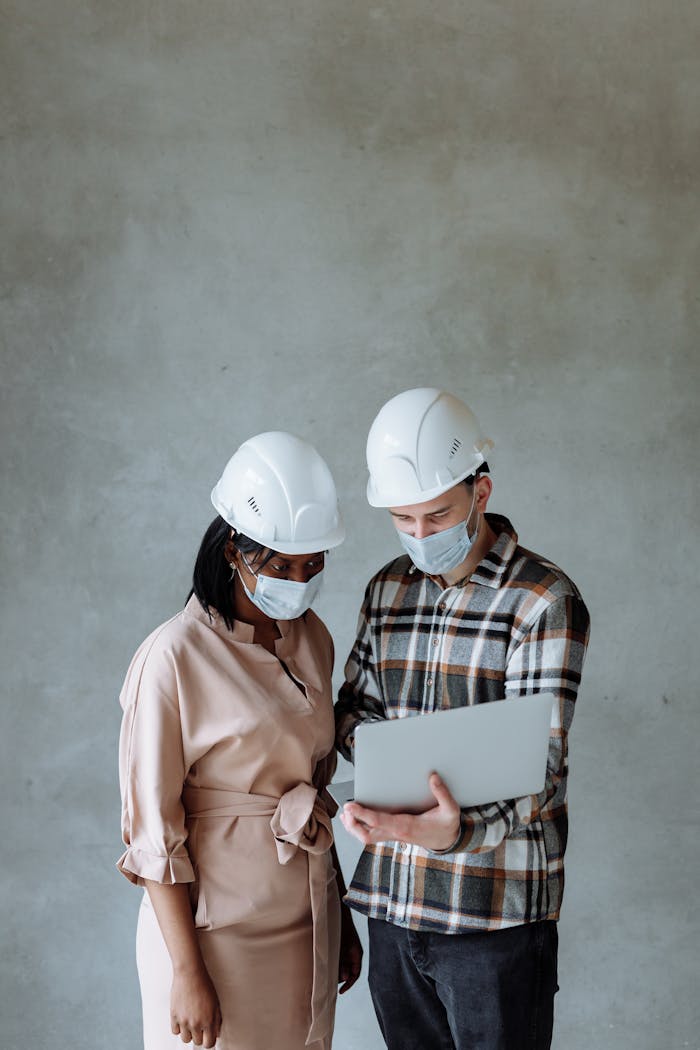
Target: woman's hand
[[350, 951], [195, 1014], [436, 829]]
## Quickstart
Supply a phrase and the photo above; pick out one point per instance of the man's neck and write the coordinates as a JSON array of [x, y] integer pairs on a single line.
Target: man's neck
[[484, 542]]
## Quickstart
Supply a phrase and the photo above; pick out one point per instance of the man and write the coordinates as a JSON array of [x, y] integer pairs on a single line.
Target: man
[[462, 905]]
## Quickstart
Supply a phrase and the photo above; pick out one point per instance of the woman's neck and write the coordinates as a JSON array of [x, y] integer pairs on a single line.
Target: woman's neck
[[266, 631]]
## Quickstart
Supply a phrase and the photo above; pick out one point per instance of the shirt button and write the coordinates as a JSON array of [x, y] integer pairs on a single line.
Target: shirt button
[[436, 641], [442, 605], [404, 847], [430, 681]]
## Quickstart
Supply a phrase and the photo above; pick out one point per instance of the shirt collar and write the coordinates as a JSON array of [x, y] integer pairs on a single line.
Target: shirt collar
[[492, 567]]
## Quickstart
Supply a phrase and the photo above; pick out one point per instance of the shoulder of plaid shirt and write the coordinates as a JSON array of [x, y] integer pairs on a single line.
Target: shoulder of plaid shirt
[[532, 627]]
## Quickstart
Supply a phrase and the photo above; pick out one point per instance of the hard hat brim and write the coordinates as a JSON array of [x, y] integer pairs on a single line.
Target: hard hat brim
[[312, 545], [408, 499]]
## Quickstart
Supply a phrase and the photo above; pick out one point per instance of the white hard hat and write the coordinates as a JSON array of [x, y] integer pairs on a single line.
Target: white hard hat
[[278, 490], [422, 443]]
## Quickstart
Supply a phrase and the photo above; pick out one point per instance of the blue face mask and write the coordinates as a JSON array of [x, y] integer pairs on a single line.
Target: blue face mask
[[283, 599], [442, 551]]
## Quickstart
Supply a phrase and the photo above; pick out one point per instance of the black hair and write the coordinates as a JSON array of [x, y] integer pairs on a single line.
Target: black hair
[[483, 469], [211, 578]]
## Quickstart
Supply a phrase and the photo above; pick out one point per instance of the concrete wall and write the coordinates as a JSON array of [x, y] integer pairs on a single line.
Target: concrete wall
[[220, 218]]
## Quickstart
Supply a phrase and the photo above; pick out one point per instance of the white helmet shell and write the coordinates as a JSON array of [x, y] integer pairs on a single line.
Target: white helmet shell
[[421, 443], [278, 490]]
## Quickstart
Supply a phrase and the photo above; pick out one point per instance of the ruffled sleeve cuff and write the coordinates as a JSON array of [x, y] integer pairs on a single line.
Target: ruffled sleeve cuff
[[137, 865]]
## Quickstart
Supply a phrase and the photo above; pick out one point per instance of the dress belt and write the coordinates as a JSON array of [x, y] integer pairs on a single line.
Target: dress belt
[[299, 820]]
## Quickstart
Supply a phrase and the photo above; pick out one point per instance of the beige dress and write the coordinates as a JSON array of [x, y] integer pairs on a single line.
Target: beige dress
[[222, 750]]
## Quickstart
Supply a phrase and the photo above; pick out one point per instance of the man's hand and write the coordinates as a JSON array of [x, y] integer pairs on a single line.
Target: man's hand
[[435, 829]]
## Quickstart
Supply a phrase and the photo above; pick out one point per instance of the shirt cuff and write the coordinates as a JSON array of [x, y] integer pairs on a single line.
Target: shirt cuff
[[454, 846]]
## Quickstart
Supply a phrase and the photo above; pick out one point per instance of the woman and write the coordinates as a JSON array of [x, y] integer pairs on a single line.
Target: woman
[[226, 750]]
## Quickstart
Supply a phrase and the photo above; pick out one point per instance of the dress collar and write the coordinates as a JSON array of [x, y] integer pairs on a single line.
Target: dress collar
[[241, 632]]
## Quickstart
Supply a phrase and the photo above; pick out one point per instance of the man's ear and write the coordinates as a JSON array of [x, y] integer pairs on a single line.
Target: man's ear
[[484, 488]]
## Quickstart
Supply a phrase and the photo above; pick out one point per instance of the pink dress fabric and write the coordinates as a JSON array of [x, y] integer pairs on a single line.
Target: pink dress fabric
[[225, 753]]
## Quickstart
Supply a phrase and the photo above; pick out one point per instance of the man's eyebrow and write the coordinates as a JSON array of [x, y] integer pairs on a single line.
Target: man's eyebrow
[[438, 510]]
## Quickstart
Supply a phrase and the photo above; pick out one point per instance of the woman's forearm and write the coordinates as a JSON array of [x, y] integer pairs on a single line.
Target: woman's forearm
[[195, 1014], [171, 904]]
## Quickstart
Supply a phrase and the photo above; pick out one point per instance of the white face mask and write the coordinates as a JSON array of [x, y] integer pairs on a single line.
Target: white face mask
[[442, 551], [282, 599]]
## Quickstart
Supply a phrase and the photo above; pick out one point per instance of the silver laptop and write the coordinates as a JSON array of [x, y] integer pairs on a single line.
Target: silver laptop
[[484, 753]]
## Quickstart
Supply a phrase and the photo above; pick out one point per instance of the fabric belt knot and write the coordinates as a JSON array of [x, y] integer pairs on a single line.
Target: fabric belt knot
[[299, 821]]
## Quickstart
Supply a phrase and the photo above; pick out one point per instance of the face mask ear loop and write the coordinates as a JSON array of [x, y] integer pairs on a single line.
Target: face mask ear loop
[[245, 562], [475, 533]]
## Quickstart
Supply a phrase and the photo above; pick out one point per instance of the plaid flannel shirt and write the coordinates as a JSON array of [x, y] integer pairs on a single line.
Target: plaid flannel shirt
[[518, 625]]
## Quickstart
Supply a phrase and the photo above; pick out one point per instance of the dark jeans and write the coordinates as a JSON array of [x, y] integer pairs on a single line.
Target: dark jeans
[[467, 991]]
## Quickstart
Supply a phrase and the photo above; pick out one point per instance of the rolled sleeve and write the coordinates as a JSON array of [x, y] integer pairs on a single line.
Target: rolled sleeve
[[152, 772]]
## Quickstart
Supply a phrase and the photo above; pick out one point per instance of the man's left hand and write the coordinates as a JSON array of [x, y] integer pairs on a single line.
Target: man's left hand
[[435, 829]]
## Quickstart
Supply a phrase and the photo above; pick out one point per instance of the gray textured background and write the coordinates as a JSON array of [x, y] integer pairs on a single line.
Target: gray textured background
[[220, 218]]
